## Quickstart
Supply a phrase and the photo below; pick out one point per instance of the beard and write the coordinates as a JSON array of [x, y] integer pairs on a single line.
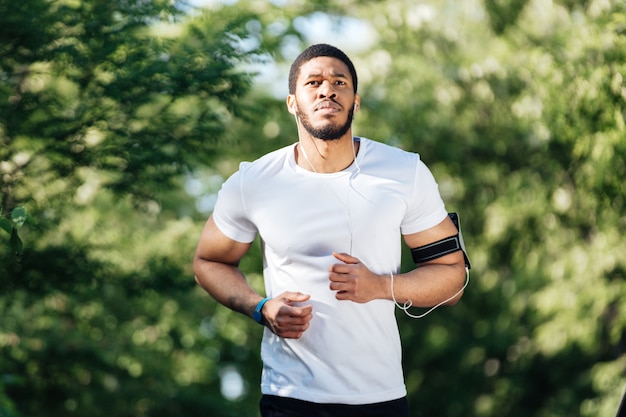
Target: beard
[[329, 131]]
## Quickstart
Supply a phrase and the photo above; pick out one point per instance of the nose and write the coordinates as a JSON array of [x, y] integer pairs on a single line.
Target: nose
[[326, 90]]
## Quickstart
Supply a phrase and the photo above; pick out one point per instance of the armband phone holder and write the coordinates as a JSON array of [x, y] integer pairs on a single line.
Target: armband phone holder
[[443, 247]]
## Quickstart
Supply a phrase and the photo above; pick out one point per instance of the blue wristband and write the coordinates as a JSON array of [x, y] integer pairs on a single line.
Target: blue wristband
[[258, 317]]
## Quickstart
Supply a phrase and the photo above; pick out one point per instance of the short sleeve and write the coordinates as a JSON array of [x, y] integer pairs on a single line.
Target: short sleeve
[[426, 208], [230, 214]]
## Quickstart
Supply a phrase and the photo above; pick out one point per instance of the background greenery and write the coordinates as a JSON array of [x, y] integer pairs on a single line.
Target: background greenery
[[120, 118]]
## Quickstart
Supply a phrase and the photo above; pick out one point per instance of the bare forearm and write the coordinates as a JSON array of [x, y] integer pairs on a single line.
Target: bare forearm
[[428, 285], [227, 285]]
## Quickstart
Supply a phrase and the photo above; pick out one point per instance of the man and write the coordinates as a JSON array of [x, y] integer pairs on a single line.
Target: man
[[330, 210]]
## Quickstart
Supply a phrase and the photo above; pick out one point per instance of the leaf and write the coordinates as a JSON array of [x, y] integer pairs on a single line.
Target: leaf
[[6, 225], [18, 216], [16, 243]]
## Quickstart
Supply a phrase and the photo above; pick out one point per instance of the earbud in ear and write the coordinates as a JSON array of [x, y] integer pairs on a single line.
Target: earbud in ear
[[356, 106]]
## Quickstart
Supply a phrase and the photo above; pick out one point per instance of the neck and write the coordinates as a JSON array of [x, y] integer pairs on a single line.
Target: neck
[[326, 156]]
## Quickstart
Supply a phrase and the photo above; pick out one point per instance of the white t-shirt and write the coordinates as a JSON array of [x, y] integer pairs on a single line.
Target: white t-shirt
[[351, 353]]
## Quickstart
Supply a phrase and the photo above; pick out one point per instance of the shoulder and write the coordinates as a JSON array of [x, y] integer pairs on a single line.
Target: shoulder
[[382, 155], [256, 176], [267, 164], [387, 149]]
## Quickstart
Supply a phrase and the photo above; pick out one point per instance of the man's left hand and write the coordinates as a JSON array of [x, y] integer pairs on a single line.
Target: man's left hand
[[353, 281]]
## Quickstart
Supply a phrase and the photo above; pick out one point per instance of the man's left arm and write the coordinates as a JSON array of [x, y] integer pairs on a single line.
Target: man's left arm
[[429, 284], [433, 281]]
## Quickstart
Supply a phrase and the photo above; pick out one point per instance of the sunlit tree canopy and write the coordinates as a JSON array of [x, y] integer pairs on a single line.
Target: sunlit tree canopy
[[119, 120]]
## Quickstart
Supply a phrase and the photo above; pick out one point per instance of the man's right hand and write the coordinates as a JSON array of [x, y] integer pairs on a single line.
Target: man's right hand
[[284, 318]]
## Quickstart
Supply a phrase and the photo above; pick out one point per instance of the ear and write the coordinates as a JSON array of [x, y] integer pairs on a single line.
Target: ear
[[357, 102], [291, 104]]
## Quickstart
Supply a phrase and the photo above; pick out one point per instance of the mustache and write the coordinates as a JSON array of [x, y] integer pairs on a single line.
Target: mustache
[[325, 103]]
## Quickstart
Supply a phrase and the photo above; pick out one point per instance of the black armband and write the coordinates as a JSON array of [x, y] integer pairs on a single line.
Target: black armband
[[442, 247]]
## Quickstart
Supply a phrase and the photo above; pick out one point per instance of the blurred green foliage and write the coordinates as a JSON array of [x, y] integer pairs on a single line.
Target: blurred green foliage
[[119, 120]]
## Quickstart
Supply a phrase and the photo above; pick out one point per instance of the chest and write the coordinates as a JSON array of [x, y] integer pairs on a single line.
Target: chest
[[315, 216]]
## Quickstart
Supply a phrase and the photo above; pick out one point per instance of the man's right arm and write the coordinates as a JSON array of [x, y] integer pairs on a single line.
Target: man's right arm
[[215, 265], [216, 270]]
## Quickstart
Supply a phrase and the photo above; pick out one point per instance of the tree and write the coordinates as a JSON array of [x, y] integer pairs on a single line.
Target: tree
[[518, 107], [104, 106]]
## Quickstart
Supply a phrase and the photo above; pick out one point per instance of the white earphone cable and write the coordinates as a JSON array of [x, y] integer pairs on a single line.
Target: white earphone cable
[[408, 303]]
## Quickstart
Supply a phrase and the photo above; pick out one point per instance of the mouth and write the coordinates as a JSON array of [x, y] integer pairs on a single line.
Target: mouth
[[328, 106]]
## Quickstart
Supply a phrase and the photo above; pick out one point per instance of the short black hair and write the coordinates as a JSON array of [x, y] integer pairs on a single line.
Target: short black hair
[[314, 51]]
